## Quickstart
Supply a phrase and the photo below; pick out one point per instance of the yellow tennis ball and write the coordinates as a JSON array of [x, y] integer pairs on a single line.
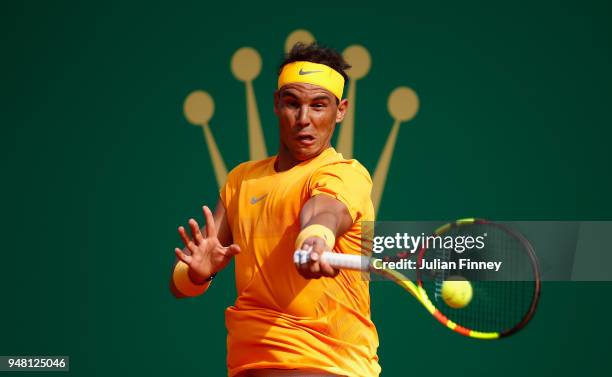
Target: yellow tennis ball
[[457, 292]]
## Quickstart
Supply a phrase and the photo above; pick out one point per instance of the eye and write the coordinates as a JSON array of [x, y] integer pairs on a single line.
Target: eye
[[291, 104], [318, 105]]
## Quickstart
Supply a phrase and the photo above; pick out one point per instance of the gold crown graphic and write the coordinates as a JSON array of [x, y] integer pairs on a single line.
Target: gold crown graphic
[[402, 104]]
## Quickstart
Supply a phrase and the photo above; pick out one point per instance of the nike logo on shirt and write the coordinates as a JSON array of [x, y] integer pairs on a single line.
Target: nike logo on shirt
[[254, 199]]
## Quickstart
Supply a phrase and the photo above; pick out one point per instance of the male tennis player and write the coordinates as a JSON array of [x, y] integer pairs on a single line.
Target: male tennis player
[[287, 321]]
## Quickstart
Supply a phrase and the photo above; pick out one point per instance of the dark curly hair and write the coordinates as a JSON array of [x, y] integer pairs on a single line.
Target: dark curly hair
[[316, 54]]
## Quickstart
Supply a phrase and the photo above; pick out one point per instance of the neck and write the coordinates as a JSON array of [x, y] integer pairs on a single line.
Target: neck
[[286, 161]]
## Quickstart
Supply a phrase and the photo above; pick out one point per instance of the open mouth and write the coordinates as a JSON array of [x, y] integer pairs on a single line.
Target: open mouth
[[305, 138]]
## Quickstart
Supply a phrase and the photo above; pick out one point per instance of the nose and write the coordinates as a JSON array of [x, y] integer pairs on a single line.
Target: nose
[[302, 117]]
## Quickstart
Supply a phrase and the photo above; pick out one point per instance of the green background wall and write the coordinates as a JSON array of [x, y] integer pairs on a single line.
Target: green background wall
[[99, 166]]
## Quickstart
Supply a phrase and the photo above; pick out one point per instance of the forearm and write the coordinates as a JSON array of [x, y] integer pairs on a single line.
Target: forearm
[[328, 219], [322, 219], [328, 212]]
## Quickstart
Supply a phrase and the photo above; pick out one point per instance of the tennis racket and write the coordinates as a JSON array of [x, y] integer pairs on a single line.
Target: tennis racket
[[503, 301]]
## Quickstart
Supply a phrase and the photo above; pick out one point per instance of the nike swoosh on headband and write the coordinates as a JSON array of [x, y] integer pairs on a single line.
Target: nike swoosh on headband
[[302, 72]]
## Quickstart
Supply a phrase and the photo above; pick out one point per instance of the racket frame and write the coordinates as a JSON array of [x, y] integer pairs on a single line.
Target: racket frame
[[365, 264]]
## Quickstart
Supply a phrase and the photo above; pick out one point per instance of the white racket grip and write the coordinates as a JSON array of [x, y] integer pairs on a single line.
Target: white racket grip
[[337, 260]]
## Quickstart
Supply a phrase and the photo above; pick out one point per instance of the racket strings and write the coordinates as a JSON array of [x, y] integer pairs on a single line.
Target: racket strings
[[501, 299]]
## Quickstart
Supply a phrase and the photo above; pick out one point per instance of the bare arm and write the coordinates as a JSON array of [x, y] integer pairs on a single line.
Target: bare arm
[[331, 213], [205, 256]]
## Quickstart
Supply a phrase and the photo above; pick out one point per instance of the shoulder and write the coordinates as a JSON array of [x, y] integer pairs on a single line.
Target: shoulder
[[344, 169], [347, 181], [338, 174]]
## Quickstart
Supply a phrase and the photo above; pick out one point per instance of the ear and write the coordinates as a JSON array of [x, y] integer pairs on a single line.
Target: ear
[[276, 101], [341, 111]]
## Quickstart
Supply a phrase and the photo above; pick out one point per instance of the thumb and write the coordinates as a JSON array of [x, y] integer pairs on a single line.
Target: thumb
[[232, 250]]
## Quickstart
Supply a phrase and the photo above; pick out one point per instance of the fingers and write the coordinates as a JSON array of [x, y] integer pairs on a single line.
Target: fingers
[[327, 270], [310, 265], [182, 256], [195, 232], [232, 250], [211, 228], [319, 266], [186, 241], [305, 259]]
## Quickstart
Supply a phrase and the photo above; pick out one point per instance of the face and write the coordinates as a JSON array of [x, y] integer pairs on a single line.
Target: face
[[307, 116]]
